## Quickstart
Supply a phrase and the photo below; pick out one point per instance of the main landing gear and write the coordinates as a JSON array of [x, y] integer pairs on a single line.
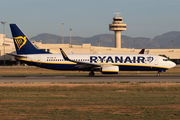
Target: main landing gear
[[91, 74], [158, 74]]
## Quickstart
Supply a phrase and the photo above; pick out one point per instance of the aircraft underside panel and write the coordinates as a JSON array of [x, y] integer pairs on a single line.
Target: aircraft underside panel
[[73, 67]]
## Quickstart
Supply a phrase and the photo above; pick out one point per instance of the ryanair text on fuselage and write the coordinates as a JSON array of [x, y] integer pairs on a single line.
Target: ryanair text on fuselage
[[120, 59]]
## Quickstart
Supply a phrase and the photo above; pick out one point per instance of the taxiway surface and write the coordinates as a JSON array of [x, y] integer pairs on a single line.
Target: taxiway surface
[[82, 78]]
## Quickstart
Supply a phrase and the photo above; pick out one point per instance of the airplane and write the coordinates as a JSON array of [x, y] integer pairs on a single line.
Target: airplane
[[27, 53], [142, 51]]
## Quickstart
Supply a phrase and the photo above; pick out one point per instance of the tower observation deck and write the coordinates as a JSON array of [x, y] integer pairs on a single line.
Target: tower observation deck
[[117, 26]]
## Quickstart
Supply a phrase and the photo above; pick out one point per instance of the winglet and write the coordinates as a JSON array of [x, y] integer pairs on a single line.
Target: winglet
[[64, 55], [142, 51], [72, 52]]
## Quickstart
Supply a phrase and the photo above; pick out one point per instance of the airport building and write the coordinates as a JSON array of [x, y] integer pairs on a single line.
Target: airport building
[[7, 46]]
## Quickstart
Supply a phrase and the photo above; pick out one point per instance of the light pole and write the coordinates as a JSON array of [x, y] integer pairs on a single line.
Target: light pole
[[98, 42], [70, 35], [171, 43], [4, 39], [62, 32]]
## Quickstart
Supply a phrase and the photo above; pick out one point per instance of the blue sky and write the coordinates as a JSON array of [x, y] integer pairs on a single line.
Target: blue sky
[[144, 18]]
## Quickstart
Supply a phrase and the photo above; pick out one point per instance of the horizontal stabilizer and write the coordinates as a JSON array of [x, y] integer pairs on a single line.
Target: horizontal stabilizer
[[18, 56]]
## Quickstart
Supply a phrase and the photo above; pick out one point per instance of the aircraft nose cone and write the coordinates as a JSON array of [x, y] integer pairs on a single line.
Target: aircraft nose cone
[[172, 64]]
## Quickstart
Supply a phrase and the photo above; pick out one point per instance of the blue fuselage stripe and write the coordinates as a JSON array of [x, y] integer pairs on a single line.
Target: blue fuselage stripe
[[73, 67]]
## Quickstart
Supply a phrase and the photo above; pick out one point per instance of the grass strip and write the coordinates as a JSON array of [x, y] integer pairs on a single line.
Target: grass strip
[[90, 101]]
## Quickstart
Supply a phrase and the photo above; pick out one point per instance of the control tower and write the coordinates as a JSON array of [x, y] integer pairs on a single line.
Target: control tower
[[117, 26]]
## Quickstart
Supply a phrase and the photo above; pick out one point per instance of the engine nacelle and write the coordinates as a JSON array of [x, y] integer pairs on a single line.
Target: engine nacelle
[[110, 69]]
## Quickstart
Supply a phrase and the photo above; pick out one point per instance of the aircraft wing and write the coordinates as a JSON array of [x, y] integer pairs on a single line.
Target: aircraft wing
[[17, 56], [80, 64], [86, 65]]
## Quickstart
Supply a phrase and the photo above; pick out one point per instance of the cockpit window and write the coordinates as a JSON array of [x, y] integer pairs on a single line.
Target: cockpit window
[[165, 60]]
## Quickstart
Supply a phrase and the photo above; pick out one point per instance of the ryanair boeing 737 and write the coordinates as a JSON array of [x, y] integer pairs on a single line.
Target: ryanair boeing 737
[[104, 63]]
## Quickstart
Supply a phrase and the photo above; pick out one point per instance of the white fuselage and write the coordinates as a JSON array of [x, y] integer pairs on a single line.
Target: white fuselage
[[124, 61]]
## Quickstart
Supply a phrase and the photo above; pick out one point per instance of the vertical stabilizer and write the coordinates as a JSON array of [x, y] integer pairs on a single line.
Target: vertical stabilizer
[[22, 43]]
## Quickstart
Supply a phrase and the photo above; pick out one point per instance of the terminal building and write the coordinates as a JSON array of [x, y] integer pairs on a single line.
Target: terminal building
[[7, 46]]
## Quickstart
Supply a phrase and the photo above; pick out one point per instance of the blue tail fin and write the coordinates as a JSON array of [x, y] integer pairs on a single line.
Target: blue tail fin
[[22, 43]]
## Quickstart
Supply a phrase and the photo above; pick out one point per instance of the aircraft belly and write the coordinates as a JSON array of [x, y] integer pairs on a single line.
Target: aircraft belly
[[60, 66], [55, 66], [67, 66], [139, 68]]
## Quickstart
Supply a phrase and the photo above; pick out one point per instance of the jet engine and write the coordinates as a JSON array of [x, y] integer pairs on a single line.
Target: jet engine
[[110, 69]]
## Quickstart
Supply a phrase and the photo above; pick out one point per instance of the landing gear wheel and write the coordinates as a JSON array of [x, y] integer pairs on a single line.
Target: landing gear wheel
[[91, 74], [158, 74]]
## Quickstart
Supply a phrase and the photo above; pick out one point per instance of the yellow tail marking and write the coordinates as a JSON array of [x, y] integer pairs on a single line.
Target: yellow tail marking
[[20, 41]]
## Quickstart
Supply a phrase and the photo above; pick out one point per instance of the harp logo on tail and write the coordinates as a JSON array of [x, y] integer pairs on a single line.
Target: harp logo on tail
[[20, 41]]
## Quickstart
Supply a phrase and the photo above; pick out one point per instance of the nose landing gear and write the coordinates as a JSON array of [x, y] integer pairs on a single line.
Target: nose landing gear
[[158, 74]]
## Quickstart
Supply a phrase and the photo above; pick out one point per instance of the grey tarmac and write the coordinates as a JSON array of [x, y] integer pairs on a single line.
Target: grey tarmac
[[83, 78]]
